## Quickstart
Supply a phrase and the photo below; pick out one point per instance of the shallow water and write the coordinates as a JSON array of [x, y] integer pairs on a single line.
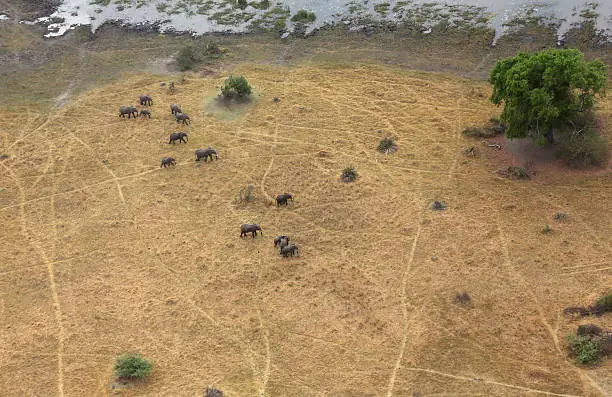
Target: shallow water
[[198, 16]]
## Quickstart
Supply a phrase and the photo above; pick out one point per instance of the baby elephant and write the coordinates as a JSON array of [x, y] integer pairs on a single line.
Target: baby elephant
[[175, 109], [281, 241], [289, 249], [246, 228], [282, 198], [205, 154], [167, 161], [129, 110], [145, 112], [178, 136], [182, 117], [146, 100]]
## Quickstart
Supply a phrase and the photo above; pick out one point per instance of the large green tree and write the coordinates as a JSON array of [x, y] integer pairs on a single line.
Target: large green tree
[[545, 91]]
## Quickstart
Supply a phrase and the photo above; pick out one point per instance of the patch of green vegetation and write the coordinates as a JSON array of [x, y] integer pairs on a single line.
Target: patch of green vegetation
[[236, 87], [270, 19], [382, 8], [588, 149], [280, 24], [349, 174], [304, 16], [386, 144], [205, 7], [262, 5], [228, 17], [100, 2], [132, 366], [604, 304], [161, 7], [192, 55], [583, 349]]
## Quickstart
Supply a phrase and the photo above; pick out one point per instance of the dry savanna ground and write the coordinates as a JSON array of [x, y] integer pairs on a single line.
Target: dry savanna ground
[[104, 252]]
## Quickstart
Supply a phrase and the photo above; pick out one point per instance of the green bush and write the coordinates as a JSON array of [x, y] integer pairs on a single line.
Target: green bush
[[349, 174], [132, 366], [386, 145], [304, 16], [236, 87], [604, 304], [583, 349], [585, 150], [195, 53]]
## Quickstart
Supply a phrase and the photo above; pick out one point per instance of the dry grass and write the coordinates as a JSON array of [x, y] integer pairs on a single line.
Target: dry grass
[[105, 253]]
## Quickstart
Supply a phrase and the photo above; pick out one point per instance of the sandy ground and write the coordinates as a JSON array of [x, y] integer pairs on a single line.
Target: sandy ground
[[105, 252]]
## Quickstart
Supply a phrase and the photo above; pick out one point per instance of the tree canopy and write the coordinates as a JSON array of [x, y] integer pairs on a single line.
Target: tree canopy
[[545, 91], [236, 87]]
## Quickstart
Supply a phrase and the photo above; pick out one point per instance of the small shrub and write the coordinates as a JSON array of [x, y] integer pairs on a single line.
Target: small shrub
[[387, 145], [236, 87], [187, 58], [514, 172], [349, 174], [304, 16], [480, 132], [604, 304], [132, 366], [463, 298], [438, 205], [242, 4], [192, 55], [588, 149], [246, 194], [583, 349], [213, 392], [560, 216], [588, 330], [546, 229]]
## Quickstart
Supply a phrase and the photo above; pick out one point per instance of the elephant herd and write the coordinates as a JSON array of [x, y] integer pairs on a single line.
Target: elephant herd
[[282, 242], [146, 100]]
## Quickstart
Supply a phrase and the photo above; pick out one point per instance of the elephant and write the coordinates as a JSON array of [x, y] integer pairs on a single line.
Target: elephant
[[145, 112], [167, 161], [146, 100], [289, 249], [129, 110], [179, 136], [206, 153], [281, 241], [182, 117], [175, 109], [282, 198], [246, 228]]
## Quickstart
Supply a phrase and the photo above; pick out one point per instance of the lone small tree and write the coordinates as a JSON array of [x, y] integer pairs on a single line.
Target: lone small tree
[[236, 87], [132, 366], [545, 91]]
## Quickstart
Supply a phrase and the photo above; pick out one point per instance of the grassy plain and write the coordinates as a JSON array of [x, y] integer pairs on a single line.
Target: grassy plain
[[105, 252]]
